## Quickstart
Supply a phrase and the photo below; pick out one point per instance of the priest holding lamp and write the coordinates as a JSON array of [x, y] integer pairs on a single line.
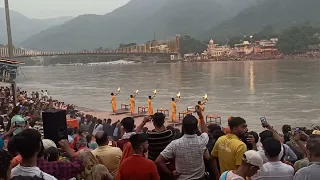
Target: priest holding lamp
[[132, 102], [174, 107], [150, 109], [113, 100]]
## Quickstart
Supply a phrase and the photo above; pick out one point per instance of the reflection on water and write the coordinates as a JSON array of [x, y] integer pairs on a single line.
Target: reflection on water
[[284, 91], [251, 77]]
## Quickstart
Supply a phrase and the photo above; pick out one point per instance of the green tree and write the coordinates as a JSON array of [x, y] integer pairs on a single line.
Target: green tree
[[189, 44], [297, 38]]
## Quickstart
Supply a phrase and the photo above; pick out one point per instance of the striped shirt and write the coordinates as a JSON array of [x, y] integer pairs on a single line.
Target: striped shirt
[[158, 141]]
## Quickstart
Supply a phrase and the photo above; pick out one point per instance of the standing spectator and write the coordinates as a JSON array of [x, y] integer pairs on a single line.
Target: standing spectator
[[117, 132], [107, 155], [5, 168], [286, 130], [93, 169], [81, 144], [91, 144], [188, 151], [274, 169], [159, 137], [108, 128], [229, 149], [60, 169], [17, 120], [28, 144], [137, 167], [251, 163], [128, 127], [312, 172], [97, 127]]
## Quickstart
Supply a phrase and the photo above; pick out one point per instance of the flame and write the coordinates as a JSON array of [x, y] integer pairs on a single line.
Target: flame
[[178, 95], [155, 91], [119, 89], [205, 97], [137, 91]]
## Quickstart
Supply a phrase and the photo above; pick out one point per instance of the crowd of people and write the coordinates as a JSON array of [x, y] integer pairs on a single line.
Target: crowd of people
[[102, 150]]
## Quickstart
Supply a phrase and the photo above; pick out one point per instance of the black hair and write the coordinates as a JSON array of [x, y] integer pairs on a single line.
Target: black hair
[[218, 133], [101, 140], [5, 160], [213, 127], [255, 136], [286, 128], [51, 154], [236, 122], [313, 145], [137, 139], [12, 149], [112, 94], [145, 129], [272, 147], [149, 97], [128, 124], [265, 134], [172, 99], [89, 138], [29, 138], [190, 124], [199, 102], [177, 133], [109, 121], [131, 96], [99, 121], [158, 119]]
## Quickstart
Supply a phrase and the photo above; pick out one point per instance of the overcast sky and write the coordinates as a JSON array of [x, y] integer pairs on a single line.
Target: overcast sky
[[53, 8]]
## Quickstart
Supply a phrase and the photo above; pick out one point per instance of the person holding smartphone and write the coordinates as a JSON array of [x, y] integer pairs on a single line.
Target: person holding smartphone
[[17, 120]]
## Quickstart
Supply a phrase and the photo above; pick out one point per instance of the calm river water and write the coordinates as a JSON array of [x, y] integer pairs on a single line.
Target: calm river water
[[285, 91]]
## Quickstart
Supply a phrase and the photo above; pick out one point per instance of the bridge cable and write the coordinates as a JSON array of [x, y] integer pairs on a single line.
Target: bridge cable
[[22, 73]]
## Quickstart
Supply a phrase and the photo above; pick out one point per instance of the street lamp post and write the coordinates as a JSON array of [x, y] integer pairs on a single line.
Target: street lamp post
[[10, 48]]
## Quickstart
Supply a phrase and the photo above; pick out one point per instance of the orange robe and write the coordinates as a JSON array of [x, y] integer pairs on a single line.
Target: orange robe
[[132, 105], [150, 109], [174, 110], [114, 104]]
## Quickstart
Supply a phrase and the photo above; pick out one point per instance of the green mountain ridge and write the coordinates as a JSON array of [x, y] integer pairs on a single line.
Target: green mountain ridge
[[135, 22], [24, 27], [280, 14]]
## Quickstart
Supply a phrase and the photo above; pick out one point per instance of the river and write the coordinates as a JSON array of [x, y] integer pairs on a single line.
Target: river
[[284, 91]]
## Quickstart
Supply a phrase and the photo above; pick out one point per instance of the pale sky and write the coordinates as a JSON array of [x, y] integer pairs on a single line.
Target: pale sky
[[42, 9]]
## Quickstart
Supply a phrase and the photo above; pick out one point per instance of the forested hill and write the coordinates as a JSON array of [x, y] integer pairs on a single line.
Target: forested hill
[[279, 14], [136, 22]]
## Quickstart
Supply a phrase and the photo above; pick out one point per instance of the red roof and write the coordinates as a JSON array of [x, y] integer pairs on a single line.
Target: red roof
[[10, 61]]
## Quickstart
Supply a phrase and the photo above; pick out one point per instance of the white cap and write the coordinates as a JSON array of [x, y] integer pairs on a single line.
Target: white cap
[[48, 143], [253, 157]]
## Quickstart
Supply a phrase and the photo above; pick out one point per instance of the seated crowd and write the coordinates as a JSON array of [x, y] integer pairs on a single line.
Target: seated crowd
[[99, 150]]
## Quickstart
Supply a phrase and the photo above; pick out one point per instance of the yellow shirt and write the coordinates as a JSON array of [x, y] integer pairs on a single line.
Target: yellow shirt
[[229, 149], [109, 156]]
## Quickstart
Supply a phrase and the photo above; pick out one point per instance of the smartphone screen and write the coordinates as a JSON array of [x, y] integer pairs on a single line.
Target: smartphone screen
[[264, 121]]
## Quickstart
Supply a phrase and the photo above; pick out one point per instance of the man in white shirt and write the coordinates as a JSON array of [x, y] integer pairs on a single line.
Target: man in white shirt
[[274, 169], [311, 172], [188, 151], [251, 163], [28, 144], [97, 127]]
